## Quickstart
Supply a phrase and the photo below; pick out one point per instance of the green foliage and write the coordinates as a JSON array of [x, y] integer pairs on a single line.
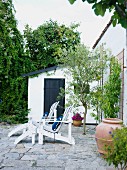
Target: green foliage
[[96, 99], [72, 1], [85, 68], [47, 42], [117, 154], [111, 91], [99, 8], [13, 89], [106, 98], [118, 9]]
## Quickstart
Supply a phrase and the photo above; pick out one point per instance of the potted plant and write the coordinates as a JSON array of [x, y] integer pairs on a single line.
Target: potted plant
[[109, 105], [77, 119]]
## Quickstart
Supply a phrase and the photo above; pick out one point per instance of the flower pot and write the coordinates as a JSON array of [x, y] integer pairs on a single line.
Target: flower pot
[[77, 122], [103, 134]]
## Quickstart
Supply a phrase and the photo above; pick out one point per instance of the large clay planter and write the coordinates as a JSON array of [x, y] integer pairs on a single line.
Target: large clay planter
[[77, 122], [103, 134]]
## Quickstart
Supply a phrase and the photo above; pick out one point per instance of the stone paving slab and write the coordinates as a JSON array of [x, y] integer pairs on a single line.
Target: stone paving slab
[[51, 156]]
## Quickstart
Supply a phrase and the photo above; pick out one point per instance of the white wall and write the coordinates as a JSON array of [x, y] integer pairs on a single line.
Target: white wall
[[115, 39], [35, 98]]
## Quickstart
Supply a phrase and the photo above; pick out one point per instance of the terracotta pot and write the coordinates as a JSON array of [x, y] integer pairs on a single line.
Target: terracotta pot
[[77, 122], [103, 134]]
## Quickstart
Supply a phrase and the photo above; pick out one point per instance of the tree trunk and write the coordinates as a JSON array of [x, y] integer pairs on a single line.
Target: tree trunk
[[84, 122]]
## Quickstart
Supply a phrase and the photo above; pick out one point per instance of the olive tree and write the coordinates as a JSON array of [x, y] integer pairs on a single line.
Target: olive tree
[[85, 67]]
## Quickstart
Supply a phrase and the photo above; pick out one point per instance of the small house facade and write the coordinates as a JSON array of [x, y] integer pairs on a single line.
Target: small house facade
[[43, 90]]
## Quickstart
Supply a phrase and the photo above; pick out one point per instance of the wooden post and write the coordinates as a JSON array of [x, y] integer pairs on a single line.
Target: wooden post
[[125, 83]]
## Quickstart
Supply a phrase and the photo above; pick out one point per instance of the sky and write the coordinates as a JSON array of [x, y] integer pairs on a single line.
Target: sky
[[37, 12]]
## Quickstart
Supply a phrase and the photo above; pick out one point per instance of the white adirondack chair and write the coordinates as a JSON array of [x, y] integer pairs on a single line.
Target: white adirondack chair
[[46, 130], [30, 128]]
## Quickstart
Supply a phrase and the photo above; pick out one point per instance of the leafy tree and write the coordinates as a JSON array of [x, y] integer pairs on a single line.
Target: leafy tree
[[85, 68], [117, 7], [47, 42], [13, 63]]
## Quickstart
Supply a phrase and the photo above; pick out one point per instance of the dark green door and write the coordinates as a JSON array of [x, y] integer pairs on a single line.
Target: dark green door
[[51, 92]]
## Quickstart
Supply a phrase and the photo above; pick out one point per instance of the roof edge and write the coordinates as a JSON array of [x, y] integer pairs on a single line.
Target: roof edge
[[103, 32], [40, 71]]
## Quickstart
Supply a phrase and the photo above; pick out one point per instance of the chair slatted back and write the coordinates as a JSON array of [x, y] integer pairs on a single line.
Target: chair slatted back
[[52, 108], [66, 113]]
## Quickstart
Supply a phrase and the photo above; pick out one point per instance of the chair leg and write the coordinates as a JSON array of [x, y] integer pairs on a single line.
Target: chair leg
[[33, 138], [40, 139]]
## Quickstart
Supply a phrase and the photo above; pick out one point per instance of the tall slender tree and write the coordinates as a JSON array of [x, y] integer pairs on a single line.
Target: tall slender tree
[[13, 96]]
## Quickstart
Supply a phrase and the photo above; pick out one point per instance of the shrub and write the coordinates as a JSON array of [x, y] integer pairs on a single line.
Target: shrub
[[117, 155]]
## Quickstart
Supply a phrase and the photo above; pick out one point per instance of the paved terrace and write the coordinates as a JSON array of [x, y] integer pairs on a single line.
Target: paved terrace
[[51, 156]]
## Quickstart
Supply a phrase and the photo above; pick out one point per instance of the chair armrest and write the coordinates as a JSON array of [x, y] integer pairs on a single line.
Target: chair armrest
[[57, 121]]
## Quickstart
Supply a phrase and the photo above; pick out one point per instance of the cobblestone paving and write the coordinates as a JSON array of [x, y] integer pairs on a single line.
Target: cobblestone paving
[[51, 156]]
